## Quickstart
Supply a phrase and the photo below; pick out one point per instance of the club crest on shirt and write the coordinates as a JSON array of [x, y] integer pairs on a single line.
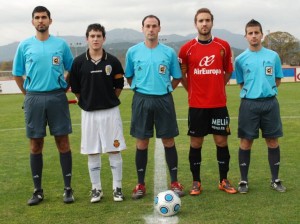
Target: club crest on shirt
[[162, 69], [108, 69], [269, 70], [116, 143], [55, 60], [222, 52]]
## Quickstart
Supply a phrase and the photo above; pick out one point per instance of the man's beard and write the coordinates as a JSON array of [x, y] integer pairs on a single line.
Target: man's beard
[[254, 45], [207, 33], [42, 30]]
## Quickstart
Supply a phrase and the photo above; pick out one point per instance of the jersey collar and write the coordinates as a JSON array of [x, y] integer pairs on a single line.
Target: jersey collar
[[88, 56]]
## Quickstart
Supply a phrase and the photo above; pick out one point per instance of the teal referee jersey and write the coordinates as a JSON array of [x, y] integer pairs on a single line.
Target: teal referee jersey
[[258, 70], [152, 69], [43, 63]]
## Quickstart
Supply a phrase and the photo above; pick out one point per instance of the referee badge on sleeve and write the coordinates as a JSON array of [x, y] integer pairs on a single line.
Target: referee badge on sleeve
[[55, 60], [162, 69], [269, 70]]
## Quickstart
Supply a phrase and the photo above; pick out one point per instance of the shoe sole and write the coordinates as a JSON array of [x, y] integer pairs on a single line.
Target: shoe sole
[[36, 203], [243, 192], [39, 200], [179, 193], [229, 192], [69, 201], [281, 191], [118, 199], [135, 197], [195, 193], [97, 199]]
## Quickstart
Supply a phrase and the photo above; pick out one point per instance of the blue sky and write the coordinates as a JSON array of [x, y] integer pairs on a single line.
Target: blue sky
[[71, 17]]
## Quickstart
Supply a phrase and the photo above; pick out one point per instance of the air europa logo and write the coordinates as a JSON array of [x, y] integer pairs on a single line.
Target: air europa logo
[[207, 61], [204, 63]]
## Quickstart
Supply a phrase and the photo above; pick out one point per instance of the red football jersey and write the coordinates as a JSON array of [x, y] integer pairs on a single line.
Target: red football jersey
[[206, 66]]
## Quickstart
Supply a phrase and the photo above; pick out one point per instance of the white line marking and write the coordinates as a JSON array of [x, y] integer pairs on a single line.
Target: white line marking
[[179, 119], [160, 171], [160, 184], [16, 129]]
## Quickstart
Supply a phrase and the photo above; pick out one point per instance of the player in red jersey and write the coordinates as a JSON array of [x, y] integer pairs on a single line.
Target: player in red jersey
[[206, 64]]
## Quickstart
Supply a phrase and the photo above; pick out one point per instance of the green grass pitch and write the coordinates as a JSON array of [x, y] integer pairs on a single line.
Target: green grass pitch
[[260, 205]]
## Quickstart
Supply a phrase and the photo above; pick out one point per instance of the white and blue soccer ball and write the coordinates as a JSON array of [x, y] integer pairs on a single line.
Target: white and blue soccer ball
[[167, 203]]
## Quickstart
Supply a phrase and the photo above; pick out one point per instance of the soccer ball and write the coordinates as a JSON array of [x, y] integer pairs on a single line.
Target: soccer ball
[[167, 203]]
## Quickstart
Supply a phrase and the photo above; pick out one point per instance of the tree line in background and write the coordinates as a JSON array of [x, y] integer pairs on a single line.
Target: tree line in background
[[285, 44]]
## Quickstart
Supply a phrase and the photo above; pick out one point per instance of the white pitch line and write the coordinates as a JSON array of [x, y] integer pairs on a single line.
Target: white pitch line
[[16, 129], [160, 184], [160, 171], [178, 119]]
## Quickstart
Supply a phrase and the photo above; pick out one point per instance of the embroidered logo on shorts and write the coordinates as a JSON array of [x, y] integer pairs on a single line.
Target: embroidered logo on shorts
[[162, 69], [55, 60], [269, 70], [116, 143], [108, 69]]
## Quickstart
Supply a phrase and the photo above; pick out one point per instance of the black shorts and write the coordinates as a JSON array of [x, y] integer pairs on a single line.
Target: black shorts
[[42, 108], [258, 114], [204, 121], [149, 111]]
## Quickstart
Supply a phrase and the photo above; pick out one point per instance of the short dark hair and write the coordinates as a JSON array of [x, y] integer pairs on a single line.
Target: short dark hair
[[151, 16], [203, 10], [95, 27], [41, 9], [253, 23]]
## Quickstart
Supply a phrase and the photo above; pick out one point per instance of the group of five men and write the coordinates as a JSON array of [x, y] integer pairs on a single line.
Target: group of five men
[[153, 72]]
